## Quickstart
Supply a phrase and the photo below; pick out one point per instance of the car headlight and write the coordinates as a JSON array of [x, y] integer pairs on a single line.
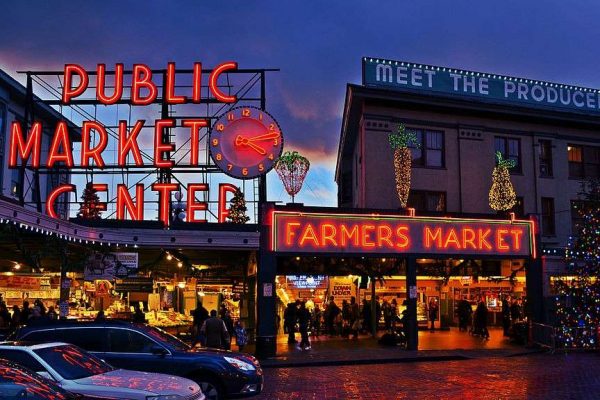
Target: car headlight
[[165, 397], [239, 364]]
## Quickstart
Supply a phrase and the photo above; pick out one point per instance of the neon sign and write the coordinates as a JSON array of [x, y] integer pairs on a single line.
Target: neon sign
[[141, 89], [297, 232]]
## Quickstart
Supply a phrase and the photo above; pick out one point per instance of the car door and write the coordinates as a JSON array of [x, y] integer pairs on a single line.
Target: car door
[[129, 349]]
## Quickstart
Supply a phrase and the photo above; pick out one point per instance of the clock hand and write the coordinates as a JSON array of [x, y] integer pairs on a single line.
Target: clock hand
[[266, 136], [243, 141]]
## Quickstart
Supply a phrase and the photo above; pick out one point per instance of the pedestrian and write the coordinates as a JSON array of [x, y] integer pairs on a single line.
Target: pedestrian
[[377, 312], [4, 316], [386, 309], [394, 314], [15, 320], [481, 315], [215, 331], [303, 321], [366, 315], [199, 315], [331, 315], [433, 312], [316, 320], [354, 317], [25, 313], [506, 315], [229, 325], [41, 306], [51, 315], [464, 314], [100, 317], [289, 322], [241, 336], [138, 314], [346, 313]]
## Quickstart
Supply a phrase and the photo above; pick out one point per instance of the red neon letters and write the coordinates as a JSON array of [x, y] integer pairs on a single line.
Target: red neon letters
[[96, 152], [192, 204], [224, 188], [53, 195], [359, 234], [25, 148]]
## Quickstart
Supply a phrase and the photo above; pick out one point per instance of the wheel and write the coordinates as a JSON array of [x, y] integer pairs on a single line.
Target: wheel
[[211, 388]]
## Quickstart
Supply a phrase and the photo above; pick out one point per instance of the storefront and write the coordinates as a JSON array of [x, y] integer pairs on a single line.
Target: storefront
[[315, 253]]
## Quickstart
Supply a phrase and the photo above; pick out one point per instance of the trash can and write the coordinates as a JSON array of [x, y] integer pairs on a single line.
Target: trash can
[[266, 347]]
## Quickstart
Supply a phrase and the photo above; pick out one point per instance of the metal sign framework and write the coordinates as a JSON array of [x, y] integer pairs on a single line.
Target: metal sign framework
[[248, 85]]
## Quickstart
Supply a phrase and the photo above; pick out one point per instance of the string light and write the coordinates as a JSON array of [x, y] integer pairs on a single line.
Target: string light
[[400, 142], [502, 196]]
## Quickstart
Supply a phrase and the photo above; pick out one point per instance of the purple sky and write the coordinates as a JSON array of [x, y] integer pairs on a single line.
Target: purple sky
[[318, 46]]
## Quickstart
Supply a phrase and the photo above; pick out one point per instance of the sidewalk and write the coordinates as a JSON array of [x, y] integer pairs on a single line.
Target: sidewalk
[[436, 346]]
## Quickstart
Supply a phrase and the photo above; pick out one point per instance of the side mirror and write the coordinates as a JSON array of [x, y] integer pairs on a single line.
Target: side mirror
[[158, 350], [46, 374]]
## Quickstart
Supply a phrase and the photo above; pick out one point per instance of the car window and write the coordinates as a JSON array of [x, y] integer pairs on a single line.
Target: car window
[[24, 384], [90, 339], [23, 358], [72, 362], [40, 336], [128, 341]]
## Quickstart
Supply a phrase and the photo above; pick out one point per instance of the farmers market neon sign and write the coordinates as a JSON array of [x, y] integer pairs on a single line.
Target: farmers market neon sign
[[297, 232], [25, 147]]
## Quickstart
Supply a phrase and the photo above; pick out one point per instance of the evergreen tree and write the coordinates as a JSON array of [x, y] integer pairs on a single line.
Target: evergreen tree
[[502, 196], [237, 211], [90, 208], [578, 296]]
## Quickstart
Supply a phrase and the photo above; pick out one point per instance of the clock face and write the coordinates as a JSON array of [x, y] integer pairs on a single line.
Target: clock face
[[245, 142]]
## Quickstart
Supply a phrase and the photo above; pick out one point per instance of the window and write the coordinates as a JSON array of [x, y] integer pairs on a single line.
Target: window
[[127, 341], [584, 161], [90, 339], [431, 148], [548, 227], [23, 358], [72, 363], [546, 158], [422, 200], [510, 148]]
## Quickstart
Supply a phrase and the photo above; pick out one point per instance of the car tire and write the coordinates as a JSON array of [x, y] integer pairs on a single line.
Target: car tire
[[211, 388]]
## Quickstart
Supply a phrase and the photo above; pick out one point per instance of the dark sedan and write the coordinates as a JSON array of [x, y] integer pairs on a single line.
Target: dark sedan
[[127, 345]]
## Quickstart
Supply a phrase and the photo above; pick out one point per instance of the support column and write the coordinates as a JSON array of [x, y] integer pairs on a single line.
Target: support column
[[266, 296], [374, 320], [412, 334], [534, 275]]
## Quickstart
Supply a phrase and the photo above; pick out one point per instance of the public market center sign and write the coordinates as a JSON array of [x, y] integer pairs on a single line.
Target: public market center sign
[[406, 76], [307, 232]]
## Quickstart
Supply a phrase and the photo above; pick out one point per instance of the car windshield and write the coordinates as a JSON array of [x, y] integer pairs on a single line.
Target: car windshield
[[27, 384], [73, 363], [164, 337]]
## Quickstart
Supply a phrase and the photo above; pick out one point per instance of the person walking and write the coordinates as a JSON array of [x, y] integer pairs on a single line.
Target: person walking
[[354, 317], [199, 315], [316, 321], [332, 311], [51, 314], [15, 321], [289, 322], [303, 321], [464, 314], [386, 309], [4, 316], [241, 336], [506, 315], [481, 315], [215, 331], [433, 312], [229, 325], [345, 319], [25, 313]]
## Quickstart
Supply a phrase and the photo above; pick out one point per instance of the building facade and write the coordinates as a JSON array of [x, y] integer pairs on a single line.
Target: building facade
[[461, 119]]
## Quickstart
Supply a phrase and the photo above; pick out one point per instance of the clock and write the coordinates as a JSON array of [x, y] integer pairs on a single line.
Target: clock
[[245, 142]]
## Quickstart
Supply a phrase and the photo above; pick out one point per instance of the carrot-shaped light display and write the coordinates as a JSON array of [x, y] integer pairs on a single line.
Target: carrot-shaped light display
[[400, 142]]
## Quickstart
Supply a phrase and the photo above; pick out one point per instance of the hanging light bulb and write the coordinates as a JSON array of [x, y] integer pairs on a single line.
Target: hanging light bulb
[[179, 264], [169, 257]]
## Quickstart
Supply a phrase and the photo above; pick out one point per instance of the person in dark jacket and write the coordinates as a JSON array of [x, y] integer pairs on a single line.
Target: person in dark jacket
[[331, 313], [15, 321], [481, 315], [465, 313], [25, 313], [215, 331], [289, 322], [366, 315], [506, 315], [199, 315], [4, 316], [138, 314], [303, 321]]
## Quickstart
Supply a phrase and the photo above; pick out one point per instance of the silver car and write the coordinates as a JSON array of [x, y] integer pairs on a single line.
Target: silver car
[[79, 372]]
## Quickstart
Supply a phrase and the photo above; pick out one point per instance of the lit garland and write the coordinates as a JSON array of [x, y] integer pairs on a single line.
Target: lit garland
[[577, 300], [399, 142], [90, 208], [502, 196]]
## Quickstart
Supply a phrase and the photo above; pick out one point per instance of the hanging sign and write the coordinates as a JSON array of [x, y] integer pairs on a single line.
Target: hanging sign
[[411, 77], [20, 282], [110, 266], [317, 232]]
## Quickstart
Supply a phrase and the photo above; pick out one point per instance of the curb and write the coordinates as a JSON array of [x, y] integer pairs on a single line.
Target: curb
[[337, 363]]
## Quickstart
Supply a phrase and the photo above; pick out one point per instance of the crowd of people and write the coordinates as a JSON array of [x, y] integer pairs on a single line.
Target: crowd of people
[[212, 331], [25, 314], [476, 322]]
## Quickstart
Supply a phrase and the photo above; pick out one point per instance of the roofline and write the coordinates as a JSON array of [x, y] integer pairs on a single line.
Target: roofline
[[343, 130]]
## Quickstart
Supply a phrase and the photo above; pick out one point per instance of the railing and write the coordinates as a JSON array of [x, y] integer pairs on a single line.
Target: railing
[[543, 336]]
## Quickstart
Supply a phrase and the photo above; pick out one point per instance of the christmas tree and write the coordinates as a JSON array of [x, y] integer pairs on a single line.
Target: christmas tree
[[578, 295], [237, 211], [400, 142], [502, 196], [90, 208]]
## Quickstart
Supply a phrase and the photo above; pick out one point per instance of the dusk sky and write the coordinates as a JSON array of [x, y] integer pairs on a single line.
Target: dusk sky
[[318, 46]]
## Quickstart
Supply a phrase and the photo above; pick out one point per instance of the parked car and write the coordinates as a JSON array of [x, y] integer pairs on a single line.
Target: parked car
[[77, 371], [220, 373]]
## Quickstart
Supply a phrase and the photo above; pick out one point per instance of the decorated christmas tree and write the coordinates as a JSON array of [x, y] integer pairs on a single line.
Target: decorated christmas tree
[[400, 142], [502, 196], [578, 295], [237, 211], [90, 208]]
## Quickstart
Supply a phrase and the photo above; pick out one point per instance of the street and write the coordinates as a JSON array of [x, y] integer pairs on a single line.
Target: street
[[537, 376]]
